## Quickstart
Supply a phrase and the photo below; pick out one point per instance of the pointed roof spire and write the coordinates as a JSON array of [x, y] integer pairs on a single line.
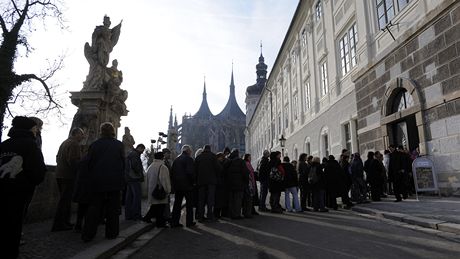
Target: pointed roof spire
[[261, 58], [170, 124], [175, 121], [231, 109], [204, 111]]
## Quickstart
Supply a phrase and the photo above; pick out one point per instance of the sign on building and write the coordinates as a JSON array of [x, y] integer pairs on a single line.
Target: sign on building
[[424, 175]]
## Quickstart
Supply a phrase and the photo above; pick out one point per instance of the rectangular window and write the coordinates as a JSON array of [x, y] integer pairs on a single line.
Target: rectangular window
[[304, 37], [307, 96], [279, 124], [286, 115], [307, 148], [293, 57], [318, 11], [347, 49], [347, 135], [385, 12], [324, 82], [326, 145], [295, 103], [402, 4]]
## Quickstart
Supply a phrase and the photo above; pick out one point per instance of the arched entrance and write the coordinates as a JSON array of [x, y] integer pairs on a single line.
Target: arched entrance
[[402, 120]]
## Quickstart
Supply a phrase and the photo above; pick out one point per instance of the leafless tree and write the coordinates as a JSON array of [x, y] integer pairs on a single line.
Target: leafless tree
[[18, 19]]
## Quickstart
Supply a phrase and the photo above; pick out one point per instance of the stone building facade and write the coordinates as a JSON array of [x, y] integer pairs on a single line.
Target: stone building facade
[[225, 129], [362, 75], [409, 94]]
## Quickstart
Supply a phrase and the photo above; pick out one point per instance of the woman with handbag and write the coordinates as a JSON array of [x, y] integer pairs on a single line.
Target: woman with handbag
[[276, 181], [158, 188]]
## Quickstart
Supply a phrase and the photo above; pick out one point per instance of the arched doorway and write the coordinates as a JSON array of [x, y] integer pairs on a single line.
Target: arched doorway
[[402, 120]]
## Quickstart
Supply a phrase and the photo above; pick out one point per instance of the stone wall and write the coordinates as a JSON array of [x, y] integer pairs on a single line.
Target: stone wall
[[45, 199], [430, 60]]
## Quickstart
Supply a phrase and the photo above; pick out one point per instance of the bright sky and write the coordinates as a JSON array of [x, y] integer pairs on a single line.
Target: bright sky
[[165, 49]]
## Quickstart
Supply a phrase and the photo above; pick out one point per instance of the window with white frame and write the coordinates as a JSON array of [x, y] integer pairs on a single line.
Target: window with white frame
[[387, 9], [347, 49], [318, 11], [295, 103], [307, 148], [304, 37], [347, 136], [307, 96], [286, 115], [293, 57], [323, 77], [325, 144]]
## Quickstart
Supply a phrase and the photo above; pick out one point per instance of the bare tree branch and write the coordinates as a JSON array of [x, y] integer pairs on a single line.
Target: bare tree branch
[[16, 7], [28, 77], [3, 24]]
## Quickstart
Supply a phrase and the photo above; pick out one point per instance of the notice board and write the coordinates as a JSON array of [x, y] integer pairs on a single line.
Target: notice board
[[424, 175]]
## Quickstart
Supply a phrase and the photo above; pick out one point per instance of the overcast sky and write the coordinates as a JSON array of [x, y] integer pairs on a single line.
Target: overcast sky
[[166, 47]]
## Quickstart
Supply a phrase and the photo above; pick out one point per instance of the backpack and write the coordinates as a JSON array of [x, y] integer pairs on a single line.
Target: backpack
[[313, 176]]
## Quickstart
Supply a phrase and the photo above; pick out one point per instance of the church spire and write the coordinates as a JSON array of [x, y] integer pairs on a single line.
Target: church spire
[[170, 124], [232, 84], [175, 121], [231, 109], [204, 111]]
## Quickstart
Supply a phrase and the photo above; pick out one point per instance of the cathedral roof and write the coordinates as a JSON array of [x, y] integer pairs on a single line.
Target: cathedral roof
[[261, 71], [204, 111], [231, 109]]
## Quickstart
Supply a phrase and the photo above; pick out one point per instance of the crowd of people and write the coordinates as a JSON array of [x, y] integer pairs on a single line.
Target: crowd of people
[[214, 185]]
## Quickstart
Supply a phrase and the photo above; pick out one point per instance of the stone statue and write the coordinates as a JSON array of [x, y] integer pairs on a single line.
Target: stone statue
[[128, 141], [102, 42]]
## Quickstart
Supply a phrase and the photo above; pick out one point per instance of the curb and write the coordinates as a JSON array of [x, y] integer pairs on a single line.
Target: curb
[[440, 225], [107, 248]]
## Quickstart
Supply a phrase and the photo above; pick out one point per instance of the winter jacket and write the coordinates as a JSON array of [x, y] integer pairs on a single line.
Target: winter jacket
[[134, 168], [158, 167], [237, 174], [182, 173], [290, 179], [22, 166], [106, 165], [333, 174], [263, 169], [206, 168], [67, 159], [304, 169], [321, 182]]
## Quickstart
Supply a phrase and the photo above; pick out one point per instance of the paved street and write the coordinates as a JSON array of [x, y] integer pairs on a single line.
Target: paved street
[[337, 234]]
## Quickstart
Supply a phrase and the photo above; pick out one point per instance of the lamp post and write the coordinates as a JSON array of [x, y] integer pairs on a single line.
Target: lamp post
[[282, 142]]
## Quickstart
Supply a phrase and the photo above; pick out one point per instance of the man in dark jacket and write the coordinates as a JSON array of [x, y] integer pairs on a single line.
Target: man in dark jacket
[[106, 171], [134, 177], [183, 180], [264, 171], [237, 179], [206, 167], [67, 159], [291, 183], [305, 189], [398, 171], [334, 188], [21, 168]]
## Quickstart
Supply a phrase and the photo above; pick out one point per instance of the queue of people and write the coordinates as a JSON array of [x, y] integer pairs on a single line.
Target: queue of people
[[213, 185]]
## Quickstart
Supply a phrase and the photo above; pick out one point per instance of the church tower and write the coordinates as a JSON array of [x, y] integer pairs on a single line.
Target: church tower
[[253, 92]]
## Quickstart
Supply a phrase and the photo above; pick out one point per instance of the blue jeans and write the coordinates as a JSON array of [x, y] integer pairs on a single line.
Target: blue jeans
[[295, 197], [133, 201], [263, 194]]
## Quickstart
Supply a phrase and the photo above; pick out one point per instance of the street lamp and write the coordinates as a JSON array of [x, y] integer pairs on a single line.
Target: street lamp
[[282, 142]]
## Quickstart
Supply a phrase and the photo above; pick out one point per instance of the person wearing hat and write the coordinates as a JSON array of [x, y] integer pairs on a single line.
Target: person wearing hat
[[22, 167]]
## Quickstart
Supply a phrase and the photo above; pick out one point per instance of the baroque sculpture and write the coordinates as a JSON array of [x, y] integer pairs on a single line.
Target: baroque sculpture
[[101, 98]]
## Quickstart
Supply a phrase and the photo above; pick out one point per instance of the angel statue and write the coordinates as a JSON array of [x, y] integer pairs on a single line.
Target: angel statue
[[102, 42]]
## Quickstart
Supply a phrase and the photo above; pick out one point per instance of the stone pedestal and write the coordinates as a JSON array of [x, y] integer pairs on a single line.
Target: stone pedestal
[[94, 108]]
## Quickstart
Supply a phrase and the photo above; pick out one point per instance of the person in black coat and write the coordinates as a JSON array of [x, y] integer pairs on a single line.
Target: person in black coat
[[276, 184], [264, 171], [22, 167], [237, 179], [134, 177], [291, 183], [221, 199], [183, 181], [398, 171], [305, 188], [374, 171], [332, 172], [106, 167], [317, 180], [345, 179], [206, 168]]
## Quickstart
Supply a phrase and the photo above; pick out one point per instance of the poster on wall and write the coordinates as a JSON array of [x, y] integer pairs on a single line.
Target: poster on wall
[[424, 175]]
